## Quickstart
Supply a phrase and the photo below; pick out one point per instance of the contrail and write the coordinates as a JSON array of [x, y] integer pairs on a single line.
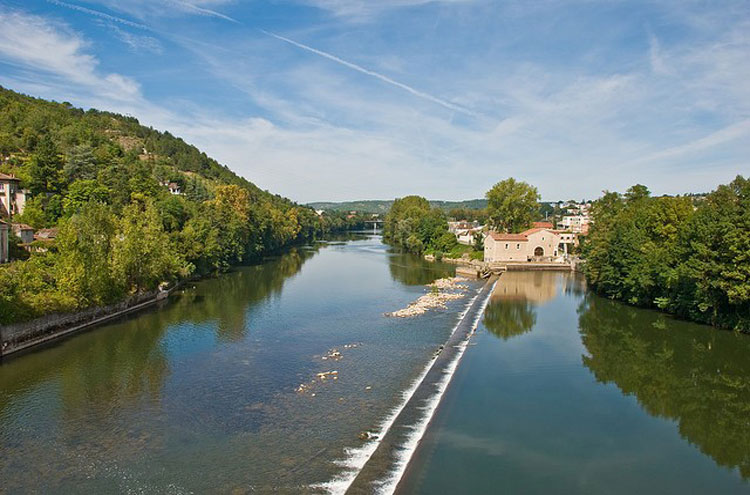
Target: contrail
[[386, 79], [204, 11], [96, 13], [179, 3]]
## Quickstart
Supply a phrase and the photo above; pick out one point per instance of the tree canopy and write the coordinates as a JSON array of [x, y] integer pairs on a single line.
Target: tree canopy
[[512, 205]]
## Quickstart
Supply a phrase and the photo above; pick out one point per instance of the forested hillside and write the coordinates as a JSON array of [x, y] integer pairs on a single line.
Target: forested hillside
[[382, 206], [103, 178]]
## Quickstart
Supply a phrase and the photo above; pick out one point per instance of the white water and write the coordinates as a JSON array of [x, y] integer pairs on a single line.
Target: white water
[[356, 458]]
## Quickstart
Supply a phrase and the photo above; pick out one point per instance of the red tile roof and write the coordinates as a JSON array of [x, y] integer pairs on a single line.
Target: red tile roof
[[8, 177], [542, 225], [501, 236]]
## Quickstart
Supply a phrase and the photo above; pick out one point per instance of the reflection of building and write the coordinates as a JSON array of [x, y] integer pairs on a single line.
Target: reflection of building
[[537, 244], [533, 286]]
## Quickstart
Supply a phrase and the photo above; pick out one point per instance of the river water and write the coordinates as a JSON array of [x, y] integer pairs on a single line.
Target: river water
[[560, 391]]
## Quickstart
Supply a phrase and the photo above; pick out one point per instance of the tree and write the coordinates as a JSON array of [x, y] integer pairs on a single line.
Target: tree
[[85, 249], [81, 192], [45, 168], [512, 205], [80, 163], [142, 253]]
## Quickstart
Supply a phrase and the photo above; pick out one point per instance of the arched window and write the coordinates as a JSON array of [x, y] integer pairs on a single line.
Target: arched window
[[539, 251]]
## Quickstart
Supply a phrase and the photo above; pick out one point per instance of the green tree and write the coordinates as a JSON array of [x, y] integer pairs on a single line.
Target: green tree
[[45, 167], [142, 254], [81, 192], [512, 205], [84, 245]]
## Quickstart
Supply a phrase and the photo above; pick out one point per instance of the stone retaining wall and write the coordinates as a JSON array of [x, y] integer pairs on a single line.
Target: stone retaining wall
[[23, 335]]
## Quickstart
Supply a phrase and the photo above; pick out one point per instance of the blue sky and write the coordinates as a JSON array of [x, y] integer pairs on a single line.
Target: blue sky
[[357, 99]]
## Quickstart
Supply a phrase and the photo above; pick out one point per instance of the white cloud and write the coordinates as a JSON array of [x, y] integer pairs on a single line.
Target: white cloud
[[35, 43]]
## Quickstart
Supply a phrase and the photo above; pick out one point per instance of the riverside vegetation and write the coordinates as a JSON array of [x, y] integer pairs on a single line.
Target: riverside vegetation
[[100, 177], [413, 224], [687, 257]]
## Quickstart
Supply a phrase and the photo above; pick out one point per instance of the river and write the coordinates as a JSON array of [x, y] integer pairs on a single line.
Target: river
[[218, 389], [562, 391]]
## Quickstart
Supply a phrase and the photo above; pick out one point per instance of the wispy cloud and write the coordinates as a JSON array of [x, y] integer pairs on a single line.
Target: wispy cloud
[[377, 75], [99, 14], [361, 10], [151, 9], [34, 43]]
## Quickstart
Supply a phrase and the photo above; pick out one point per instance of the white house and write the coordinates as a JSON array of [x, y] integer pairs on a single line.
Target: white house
[[536, 244], [12, 197], [578, 224]]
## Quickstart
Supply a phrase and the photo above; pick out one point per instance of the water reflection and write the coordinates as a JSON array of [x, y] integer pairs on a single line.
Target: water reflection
[[127, 361], [414, 270], [511, 310], [692, 374]]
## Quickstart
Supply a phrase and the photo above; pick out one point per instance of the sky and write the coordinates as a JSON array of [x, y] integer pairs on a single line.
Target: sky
[[376, 99]]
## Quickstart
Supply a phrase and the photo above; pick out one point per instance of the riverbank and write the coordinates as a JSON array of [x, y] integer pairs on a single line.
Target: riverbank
[[200, 396], [22, 336]]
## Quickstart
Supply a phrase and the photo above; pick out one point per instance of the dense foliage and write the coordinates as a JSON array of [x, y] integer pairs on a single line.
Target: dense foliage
[[101, 178], [413, 225], [512, 205], [691, 259]]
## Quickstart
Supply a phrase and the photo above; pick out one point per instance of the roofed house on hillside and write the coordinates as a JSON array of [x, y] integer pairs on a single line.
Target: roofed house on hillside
[[3, 242], [44, 236], [578, 224], [12, 197], [23, 232], [535, 244]]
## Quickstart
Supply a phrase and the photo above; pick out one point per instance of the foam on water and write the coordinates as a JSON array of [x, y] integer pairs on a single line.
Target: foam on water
[[356, 458], [389, 484]]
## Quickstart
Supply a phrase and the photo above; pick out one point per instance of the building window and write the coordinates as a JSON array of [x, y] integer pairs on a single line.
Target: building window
[[518, 246], [506, 246]]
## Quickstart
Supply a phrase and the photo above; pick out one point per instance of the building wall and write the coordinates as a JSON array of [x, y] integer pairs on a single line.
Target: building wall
[[547, 240], [504, 250], [3, 243], [517, 250]]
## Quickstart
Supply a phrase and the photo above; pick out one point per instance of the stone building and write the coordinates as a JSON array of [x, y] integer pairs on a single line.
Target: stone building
[[536, 244]]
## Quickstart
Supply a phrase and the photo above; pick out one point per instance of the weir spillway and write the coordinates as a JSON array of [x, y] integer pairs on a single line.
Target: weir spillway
[[385, 467]]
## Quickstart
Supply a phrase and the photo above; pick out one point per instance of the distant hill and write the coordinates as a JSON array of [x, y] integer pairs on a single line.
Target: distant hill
[[382, 206]]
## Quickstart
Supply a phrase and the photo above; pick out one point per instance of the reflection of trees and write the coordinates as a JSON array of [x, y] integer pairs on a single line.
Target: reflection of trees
[[410, 269], [104, 370], [695, 375], [228, 297], [508, 318]]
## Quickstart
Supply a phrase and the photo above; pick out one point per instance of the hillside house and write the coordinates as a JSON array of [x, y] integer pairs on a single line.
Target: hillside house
[[12, 197], [535, 244], [45, 236], [3, 242], [174, 188], [23, 232], [578, 224]]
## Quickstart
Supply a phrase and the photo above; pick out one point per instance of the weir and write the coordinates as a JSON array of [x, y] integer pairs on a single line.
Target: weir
[[387, 464]]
